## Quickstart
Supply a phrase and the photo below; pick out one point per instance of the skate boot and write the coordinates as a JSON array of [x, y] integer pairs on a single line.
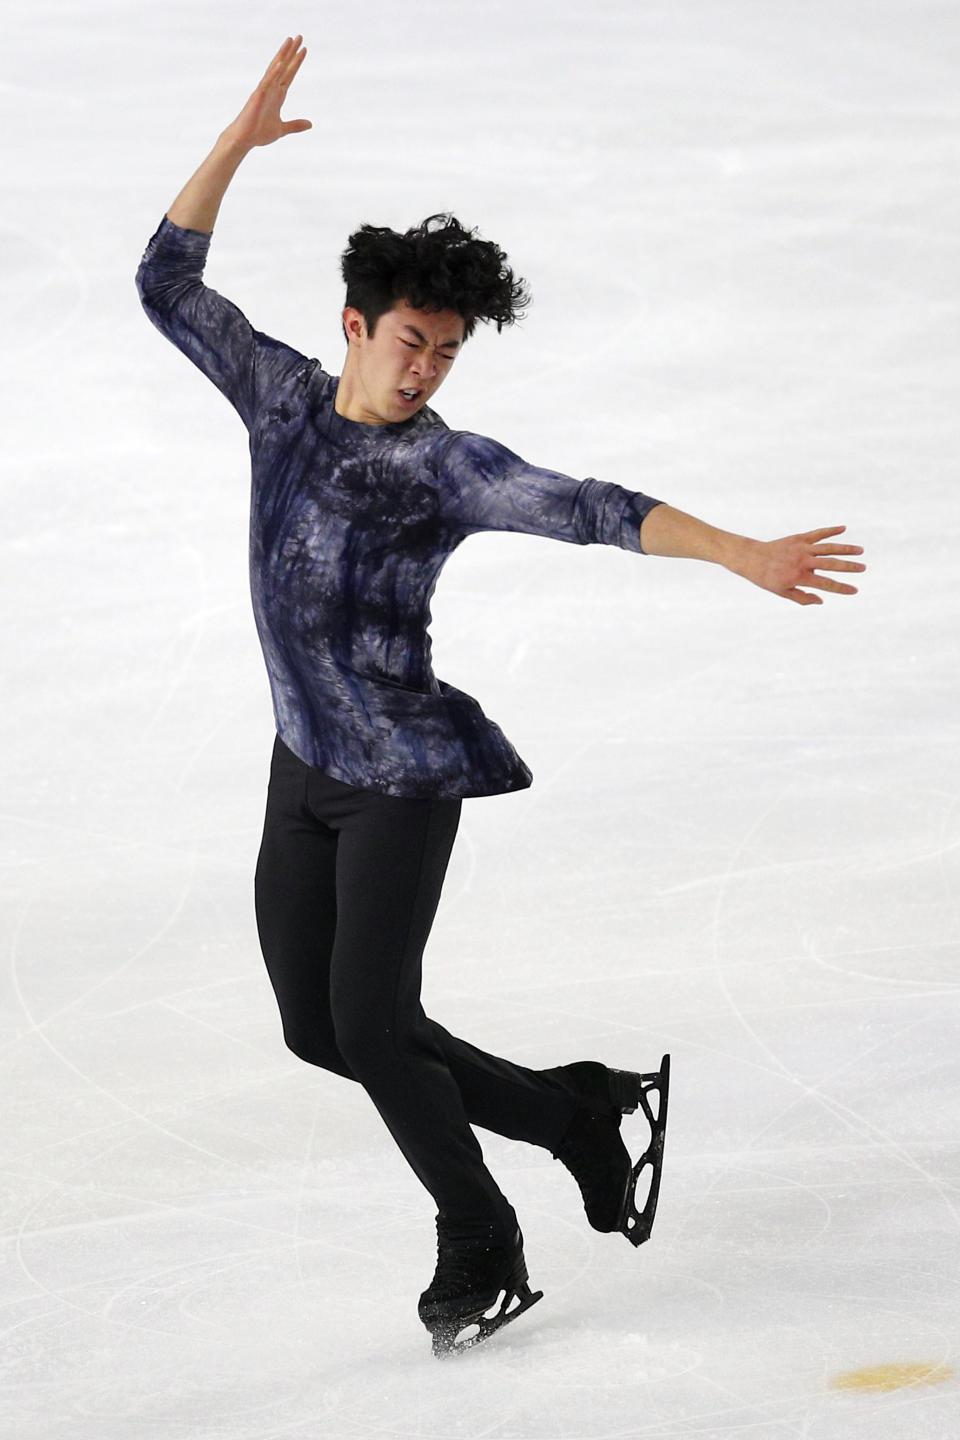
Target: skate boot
[[594, 1153], [479, 1286]]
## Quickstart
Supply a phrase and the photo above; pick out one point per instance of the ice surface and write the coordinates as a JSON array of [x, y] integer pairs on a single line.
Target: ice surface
[[741, 223]]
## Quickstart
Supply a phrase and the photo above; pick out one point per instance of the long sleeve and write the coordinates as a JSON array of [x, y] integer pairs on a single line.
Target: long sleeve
[[485, 486], [243, 363]]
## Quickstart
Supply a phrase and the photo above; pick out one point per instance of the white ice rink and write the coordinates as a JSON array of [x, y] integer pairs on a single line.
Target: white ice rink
[[740, 222]]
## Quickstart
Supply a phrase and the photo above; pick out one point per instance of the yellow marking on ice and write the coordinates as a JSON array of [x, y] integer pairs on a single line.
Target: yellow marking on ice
[[877, 1379]]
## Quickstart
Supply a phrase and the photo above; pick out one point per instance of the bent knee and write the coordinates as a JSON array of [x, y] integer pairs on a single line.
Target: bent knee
[[315, 1051], [366, 1042]]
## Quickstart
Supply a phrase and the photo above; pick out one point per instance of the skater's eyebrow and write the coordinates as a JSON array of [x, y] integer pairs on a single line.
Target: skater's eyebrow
[[443, 344]]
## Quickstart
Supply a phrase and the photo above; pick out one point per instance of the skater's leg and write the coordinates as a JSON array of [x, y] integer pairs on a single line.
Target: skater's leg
[[297, 915], [297, 912], [391, 860], [535, 1106]]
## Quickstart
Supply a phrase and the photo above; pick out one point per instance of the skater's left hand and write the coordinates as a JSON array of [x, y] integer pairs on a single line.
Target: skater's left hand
[[789, 567], [784, 566]]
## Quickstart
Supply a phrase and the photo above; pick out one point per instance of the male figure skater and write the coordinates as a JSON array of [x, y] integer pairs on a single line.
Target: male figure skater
[[360, 492]]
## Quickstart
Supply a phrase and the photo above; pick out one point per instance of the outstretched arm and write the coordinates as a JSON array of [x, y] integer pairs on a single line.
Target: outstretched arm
[[259, 123], [781, 566]]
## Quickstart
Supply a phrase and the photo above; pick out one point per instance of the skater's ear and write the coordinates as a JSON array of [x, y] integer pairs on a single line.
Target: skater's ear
[[354, 325]]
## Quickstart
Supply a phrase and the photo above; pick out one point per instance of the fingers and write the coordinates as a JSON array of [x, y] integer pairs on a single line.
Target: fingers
[[280, 56], [268, 99], [799, 560], [835, 587], [824, 555], [819, 542], [801, 597], [823, 558], [823, 563], [298, 58], [815, 581], [285, 64], [290, 68], [837, 549], [821, 582]]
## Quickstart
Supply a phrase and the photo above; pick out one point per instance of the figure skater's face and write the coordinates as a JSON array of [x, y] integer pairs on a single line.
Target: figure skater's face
[[390, 375]]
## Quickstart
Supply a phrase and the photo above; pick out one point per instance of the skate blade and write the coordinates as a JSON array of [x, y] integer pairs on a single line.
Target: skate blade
[[637, 1224], [454, 1340]]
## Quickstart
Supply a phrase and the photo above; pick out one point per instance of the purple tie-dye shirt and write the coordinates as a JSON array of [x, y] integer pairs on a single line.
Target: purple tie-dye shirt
[[350, 525]]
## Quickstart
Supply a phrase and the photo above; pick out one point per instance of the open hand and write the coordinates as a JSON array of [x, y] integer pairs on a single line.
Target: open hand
[[259, 121], [784, 566]]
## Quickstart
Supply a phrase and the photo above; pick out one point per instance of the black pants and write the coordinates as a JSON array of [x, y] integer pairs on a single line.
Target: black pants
[[347, 886]]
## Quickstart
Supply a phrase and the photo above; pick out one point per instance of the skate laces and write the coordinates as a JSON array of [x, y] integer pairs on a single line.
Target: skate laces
[[588, 1148], [457, 1266], [582, 1162], [595, 1156], [590, 1169], [466, 1261]]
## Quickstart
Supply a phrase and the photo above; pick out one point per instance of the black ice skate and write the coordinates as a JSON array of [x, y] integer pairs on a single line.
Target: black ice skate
[[479, 1286], [594, 1153]]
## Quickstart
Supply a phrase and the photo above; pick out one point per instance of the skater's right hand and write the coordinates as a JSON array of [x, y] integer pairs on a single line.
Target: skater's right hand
[[259, 121]]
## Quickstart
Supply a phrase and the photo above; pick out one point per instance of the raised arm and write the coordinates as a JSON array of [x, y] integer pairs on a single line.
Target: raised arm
[[782, 566], [259, 123], [242, 362]]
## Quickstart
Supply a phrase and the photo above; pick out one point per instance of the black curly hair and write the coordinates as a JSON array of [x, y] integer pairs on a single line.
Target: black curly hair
[[436, 265]]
